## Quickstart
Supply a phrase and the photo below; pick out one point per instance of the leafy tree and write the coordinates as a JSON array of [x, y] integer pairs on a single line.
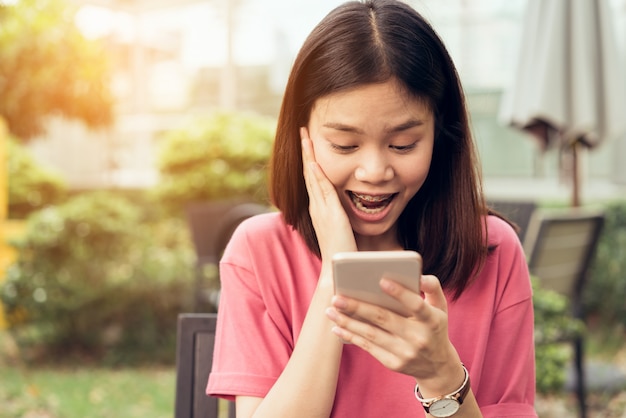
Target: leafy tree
[[31, 186], [221, 156], [47, 67], [95, 276], [554, 327], [606, 290]]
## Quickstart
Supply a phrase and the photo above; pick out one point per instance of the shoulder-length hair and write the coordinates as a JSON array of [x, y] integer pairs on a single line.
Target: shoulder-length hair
[[374, 41]]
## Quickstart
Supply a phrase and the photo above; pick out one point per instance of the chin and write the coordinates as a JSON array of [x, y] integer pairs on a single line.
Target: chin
[[371, 231]]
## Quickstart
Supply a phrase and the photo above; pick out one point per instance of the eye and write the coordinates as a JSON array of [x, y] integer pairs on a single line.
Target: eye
[[403, 148], [343, 148]]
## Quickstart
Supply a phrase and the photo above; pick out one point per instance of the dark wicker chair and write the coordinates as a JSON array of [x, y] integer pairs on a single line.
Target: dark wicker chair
[[560, 247], [212, 224], [517, 211], [194, 357]]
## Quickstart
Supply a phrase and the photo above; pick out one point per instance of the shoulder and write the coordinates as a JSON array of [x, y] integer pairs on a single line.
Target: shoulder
[[500, 232], [505, 267], [264, 226], [267, 253], [263, 235], [504, 243]]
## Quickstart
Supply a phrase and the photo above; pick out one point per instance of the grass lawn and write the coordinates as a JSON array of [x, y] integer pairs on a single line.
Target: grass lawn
[[96, 392], [86, 392]]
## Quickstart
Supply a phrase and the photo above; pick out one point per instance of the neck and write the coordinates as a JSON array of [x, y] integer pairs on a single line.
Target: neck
[[387, 242]]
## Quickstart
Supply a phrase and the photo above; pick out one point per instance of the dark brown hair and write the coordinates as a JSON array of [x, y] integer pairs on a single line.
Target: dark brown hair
[[373, 41]]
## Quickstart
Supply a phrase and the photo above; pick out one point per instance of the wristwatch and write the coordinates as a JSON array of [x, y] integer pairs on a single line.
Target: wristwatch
[[448, 405]]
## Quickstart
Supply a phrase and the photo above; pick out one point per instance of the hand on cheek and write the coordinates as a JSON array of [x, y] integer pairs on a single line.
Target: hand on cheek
[[332, 227]]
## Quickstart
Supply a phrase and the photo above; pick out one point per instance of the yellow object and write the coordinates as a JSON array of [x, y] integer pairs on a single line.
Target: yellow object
[[4, 173], [5, 253], [9, 229]]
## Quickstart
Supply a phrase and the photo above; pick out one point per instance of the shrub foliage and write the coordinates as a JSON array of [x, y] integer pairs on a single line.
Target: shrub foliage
[[47, 67], [92, 276], [31, 186], [554, 327], [221, 157], [606, 290]]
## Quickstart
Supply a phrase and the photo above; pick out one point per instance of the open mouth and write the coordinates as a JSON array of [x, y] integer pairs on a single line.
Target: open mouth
[[371, 204]]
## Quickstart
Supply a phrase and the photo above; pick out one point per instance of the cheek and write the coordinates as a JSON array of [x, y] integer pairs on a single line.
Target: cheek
[[337, 170], [414, 173]]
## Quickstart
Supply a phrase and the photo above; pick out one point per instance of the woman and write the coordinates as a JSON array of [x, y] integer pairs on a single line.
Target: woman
[[373, 152]]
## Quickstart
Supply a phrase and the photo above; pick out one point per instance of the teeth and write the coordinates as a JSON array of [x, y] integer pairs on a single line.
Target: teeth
[[358, 199], [371, 211], [369, 198]]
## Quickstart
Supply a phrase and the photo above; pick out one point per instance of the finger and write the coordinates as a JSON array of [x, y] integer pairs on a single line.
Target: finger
[[390, 350], [421, 308], [307, 146], [307, 156], [329, 219], [363, 312], [357, 330], [318, 182], [433, 293], [411, 300], [310, 167]]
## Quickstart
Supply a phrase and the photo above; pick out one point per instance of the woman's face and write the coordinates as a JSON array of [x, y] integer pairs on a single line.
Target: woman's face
[[375, 144]]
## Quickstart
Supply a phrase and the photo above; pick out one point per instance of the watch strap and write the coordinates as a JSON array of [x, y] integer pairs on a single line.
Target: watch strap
[[458, 395]]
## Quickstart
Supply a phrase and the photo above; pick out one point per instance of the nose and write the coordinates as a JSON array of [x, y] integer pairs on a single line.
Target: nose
[[374, 168]]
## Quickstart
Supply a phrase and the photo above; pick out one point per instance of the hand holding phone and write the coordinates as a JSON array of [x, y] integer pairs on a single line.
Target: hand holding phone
[[357, 275]]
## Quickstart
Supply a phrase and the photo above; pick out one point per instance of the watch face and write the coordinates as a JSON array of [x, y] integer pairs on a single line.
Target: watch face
[[444, 408]]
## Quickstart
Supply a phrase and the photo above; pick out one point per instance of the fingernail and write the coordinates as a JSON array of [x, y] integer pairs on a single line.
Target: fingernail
[[339, 302], [386, 284], [331, 313]]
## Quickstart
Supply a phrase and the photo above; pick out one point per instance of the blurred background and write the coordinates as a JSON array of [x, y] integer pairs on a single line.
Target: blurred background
[[118, 116], [169, 62]]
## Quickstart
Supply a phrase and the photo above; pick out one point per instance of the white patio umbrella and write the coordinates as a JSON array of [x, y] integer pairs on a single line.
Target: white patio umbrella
[[569, 88]]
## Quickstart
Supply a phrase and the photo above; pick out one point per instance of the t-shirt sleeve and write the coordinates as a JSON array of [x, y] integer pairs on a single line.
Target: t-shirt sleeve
[[251, 347], [507, 374]]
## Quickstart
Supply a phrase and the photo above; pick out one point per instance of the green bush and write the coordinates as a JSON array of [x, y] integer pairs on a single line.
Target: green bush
[[605, 292], [93, 277], [31, 187], [220, 157], [553, 326]]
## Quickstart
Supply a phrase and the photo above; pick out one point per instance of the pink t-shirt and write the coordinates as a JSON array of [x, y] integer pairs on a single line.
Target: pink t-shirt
[[268, 278]]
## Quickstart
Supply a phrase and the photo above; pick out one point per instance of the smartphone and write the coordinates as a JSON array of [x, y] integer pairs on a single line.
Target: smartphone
[[357, 275]]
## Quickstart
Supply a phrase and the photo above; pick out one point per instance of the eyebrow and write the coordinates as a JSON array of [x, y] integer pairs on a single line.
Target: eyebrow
[[411, 123]]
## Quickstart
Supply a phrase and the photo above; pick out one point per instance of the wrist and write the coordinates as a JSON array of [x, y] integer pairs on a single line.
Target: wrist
[[325, 280], [448, 404], [447, 377]]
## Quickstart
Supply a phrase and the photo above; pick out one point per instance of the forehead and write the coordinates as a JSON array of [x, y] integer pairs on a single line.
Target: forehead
[[389, 100]]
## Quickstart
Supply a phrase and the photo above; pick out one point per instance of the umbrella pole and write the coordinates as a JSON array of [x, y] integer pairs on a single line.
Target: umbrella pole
[[575, 176]]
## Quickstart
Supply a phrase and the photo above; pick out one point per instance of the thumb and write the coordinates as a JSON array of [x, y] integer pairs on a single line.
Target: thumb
[[433, 293]]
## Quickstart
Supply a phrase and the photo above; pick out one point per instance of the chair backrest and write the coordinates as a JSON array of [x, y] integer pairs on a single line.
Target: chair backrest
[[560, 247], [194, 357], [231, 220], [212, 224], [517, 211]]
